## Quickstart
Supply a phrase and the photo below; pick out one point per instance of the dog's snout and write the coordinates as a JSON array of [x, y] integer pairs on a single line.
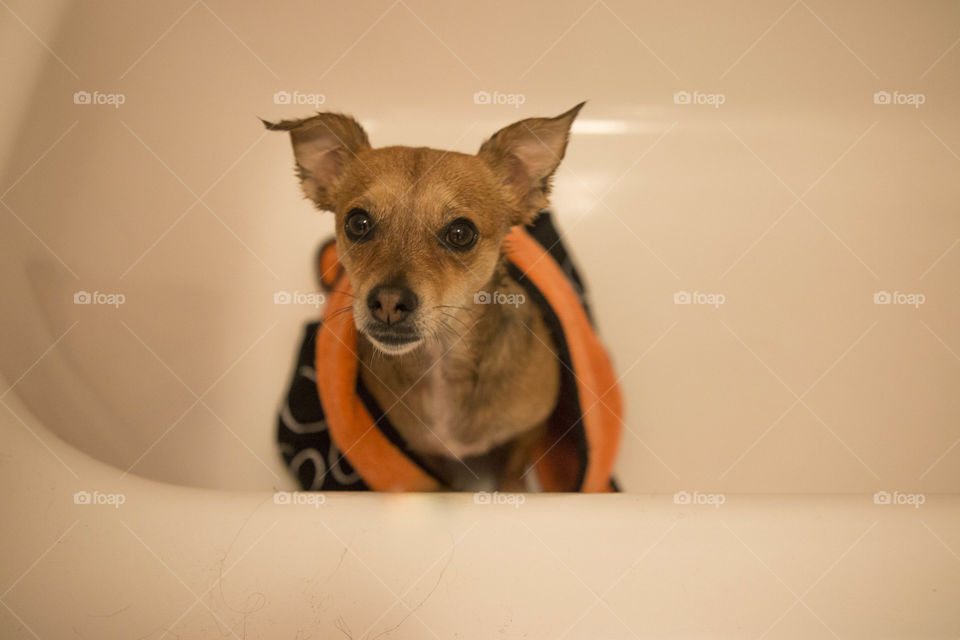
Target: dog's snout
[[391, 305]]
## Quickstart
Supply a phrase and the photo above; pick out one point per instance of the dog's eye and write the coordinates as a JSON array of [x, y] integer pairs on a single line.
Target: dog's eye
[[461, 234], [358, 225]]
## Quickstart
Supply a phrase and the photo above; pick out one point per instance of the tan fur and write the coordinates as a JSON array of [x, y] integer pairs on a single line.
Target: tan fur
[[498, 378], [484, 375]]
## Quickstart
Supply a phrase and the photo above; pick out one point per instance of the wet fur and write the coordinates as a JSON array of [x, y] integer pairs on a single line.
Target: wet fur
[[473, 395]]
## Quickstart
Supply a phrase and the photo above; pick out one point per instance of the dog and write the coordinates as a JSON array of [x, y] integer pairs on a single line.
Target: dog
[[420, 234]]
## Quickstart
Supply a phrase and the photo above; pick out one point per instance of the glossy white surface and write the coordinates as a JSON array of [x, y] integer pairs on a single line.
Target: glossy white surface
[[797, 199], [195, 563], [794, 202]]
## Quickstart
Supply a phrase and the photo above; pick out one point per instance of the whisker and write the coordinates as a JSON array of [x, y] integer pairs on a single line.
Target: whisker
[[338, 312], [453, 317], [348, 306], [443, 324], [450, 306]]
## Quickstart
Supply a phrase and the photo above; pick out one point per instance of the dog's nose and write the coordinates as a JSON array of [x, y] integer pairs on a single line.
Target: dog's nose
[[391, 305]]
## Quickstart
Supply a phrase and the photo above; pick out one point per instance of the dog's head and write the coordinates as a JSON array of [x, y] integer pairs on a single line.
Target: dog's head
[[419, 231]]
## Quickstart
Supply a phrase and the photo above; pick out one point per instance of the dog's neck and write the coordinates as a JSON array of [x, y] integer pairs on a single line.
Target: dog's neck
[[490, 379]]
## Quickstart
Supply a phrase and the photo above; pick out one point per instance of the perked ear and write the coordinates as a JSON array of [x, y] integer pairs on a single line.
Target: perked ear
[[322, 145], [525, 155]]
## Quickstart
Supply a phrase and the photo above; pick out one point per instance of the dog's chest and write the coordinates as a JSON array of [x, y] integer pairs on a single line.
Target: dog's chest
[[464, 403], [457, 411]]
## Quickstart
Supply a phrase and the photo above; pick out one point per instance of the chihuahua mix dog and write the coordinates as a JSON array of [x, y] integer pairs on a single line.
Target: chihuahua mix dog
[[420, 232]]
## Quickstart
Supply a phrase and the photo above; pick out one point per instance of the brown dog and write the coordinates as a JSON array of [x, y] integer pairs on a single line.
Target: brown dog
[[419, 232]]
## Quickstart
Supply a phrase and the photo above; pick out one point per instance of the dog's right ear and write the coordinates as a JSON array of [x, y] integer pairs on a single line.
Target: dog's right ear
[[322, 145]]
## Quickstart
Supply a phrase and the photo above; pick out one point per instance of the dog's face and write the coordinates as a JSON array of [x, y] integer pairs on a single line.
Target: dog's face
[[419, 231]]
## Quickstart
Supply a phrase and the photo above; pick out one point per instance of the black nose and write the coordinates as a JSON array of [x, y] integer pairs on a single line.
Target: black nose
[[391, 305]]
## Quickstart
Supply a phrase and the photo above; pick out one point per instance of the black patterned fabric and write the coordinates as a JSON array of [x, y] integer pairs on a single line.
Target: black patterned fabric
[[313, 458]]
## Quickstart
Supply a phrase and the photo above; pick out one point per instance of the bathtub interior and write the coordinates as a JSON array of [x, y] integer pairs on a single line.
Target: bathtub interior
[[796, 200]]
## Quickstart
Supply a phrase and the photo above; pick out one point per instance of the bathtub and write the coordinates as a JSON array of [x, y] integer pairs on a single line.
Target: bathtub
[[763, 201]]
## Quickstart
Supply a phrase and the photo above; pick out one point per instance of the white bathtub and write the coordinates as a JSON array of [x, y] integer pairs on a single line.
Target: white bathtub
[[739, 158]]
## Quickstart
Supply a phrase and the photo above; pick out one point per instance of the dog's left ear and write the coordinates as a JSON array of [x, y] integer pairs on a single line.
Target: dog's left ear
[[525, 155]]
